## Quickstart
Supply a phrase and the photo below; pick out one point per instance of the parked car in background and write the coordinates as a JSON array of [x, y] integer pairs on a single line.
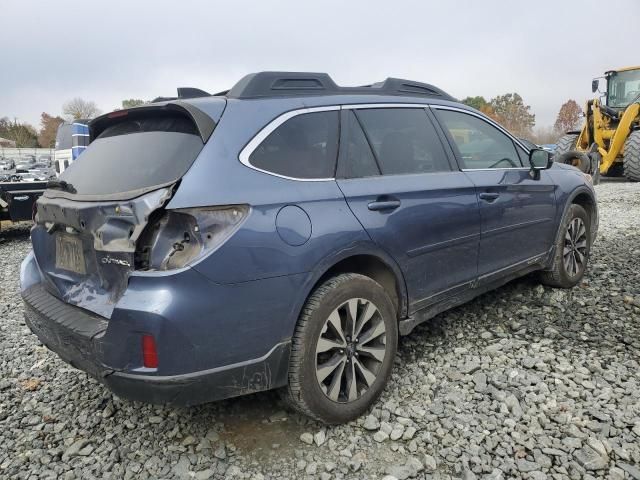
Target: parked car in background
[[40, 166], [25, 163], [283, 234], [7, 164]]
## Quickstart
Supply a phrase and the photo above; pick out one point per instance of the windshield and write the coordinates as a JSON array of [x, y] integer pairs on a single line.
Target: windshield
[[623, 88]]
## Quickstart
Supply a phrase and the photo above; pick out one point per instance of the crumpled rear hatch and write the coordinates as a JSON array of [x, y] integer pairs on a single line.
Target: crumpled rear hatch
[[89, 220]]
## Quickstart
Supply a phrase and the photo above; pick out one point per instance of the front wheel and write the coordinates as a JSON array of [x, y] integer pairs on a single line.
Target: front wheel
[[342, 350], [571, 250]]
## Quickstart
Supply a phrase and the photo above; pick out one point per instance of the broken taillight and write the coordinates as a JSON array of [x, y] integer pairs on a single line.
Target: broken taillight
[[178, 238]]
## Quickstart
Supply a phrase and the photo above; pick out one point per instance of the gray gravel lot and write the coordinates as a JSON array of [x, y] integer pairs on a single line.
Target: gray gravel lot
[[524, 382]]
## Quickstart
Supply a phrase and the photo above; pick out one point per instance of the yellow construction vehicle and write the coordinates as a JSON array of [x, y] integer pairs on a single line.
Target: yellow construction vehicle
[[609, 142]]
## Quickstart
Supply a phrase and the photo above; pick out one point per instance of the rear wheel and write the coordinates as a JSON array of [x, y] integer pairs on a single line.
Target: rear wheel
[[342, 350], [631, 159], [571, 250]]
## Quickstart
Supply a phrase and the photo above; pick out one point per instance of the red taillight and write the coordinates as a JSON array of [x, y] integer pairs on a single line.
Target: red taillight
[[149, 352]]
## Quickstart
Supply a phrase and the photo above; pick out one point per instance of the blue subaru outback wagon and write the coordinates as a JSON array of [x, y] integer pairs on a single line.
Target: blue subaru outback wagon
[[284, 233]]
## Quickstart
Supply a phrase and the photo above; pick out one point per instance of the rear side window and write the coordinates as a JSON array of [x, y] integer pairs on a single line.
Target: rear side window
[[305, 146], [404, 140], [480, 145], [134, 155]]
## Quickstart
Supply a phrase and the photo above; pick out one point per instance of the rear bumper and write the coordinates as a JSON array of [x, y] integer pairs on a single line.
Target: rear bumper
[[74, 334], [195, 388], [78, 337]]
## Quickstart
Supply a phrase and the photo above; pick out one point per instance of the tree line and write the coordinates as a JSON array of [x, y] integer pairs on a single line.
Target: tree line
[[27, 136], [509, 110]]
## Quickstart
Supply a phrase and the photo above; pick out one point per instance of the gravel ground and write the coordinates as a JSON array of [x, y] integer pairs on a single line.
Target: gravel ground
[[524, 382]]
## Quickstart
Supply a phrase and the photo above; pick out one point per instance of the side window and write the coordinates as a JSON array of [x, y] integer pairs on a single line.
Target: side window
[[479, 144], [356, 157], [304, 146], [403, 140]]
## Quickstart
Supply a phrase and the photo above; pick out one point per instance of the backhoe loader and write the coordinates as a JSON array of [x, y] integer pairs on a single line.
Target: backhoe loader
[[609, 141]]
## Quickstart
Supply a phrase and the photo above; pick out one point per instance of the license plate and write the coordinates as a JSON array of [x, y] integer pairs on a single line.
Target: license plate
[[69, 254]]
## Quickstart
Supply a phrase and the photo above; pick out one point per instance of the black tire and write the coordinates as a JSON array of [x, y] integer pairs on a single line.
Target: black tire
[[580, 160], [560, 275], [304, 392], [565, 144], [631, 159], [615, 170]]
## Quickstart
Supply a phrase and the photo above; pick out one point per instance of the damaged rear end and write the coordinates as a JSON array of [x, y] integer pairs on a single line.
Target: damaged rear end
[[110, 259], [90, 222]]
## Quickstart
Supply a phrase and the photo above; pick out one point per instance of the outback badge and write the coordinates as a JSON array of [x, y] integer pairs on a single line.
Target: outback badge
[[108, 260]]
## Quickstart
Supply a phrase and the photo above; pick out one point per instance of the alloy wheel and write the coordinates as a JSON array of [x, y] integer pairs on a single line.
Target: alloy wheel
[[350, 350], [575, 247]]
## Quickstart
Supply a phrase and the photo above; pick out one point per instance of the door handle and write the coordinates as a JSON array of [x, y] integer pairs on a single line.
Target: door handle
[[489, 196], [383, 205]]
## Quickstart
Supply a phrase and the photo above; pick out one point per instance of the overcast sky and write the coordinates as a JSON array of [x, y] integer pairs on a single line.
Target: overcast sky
[[546, 50]]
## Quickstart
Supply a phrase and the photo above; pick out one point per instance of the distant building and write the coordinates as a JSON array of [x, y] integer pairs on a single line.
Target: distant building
[[4, 142]]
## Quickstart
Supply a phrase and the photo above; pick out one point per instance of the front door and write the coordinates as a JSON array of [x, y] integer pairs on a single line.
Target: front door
[[400, 184], [516, 208]]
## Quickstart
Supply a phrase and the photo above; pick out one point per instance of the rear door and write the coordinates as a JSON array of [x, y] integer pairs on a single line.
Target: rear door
[[517, 209], [399, 182]]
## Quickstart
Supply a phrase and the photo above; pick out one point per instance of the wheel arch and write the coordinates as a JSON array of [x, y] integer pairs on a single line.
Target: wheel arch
[[366, 260], [585, 198], [586, 201]]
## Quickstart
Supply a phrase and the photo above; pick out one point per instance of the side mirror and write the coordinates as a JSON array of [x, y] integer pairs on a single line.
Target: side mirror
[[540, 159], [594, 85]]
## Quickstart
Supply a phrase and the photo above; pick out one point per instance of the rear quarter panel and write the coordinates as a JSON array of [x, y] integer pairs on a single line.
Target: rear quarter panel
[[257, 251]]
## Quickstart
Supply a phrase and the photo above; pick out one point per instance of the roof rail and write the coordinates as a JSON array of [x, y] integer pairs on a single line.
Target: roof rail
[[275, 84]]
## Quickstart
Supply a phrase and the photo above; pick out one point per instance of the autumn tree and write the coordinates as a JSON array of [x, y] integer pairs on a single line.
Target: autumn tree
[[568, 117], [475, 102], [513, 114], [22, 133], [48, 130], [479, 103], [132, 102], [78, 108]]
